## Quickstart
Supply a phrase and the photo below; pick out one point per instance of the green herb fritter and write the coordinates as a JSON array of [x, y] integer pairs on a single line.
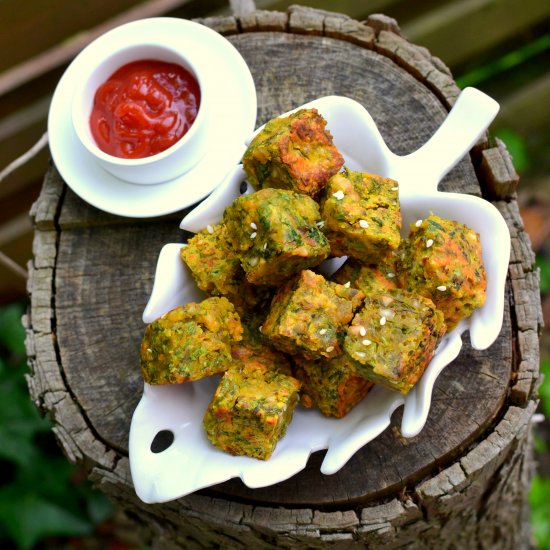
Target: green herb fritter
[[362, 216], [309, 314], [393, 338], [217, 270], [190, 342], [441, 259], [333, 386], [368, 278], [275, 234], [251, 410], [293, 152], [256, 349]]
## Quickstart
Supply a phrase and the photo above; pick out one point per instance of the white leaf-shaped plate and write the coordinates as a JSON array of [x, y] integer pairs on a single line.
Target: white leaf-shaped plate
[[190, 462]]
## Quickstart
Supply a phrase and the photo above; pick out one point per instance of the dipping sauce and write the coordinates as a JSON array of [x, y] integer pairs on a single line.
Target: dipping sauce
[[144, 108]]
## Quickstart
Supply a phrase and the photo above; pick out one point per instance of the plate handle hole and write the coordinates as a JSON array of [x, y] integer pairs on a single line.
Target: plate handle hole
[[162, 441]]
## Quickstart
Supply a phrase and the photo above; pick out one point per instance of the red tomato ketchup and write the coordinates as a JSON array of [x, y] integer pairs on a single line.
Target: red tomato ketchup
[[143, 108]]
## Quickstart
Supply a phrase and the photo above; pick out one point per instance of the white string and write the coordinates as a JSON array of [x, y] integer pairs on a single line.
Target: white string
[[14, 267], [25, 157], [5, 260]]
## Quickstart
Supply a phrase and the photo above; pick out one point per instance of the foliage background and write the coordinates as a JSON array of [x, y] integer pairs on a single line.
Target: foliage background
[[45, 502]]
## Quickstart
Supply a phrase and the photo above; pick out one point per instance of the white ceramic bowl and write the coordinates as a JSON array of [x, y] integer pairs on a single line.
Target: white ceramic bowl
[[173, 162], [229, 102]]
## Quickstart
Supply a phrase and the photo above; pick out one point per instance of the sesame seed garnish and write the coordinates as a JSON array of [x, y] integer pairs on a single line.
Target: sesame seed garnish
[[261, 328], [382, 321], [348, 284], [210, 229], [366, 342], [360, 354], [320, 224], [149, 350], [390, 275], [253, 261], [338, 195], [429, 243], [442, 288], [253, 235], [394, 188], [418, 223], [362, 331], [387, 313], [253, 226], [364, 224], [323, 331], [265, 246], [329, 349]]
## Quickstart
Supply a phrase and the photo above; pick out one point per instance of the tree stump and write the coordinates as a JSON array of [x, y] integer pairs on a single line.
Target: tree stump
[[461, 483]]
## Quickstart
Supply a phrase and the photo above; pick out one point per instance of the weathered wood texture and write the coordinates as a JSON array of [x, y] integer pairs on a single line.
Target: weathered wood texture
[[461, 483]]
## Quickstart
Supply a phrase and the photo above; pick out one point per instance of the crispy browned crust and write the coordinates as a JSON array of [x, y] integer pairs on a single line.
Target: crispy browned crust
[[309, 314], [294, 152], [393, 338], [442, 260]]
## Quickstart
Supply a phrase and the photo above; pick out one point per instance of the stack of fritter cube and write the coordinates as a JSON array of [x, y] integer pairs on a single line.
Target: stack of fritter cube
[[274, 328]]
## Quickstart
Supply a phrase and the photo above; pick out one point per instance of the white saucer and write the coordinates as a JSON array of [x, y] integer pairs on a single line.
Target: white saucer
[[233, 120]]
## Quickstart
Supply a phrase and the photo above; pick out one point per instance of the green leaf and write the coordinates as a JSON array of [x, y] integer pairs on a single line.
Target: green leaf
[[28, 518], [99, 507], [517, 148], [50, 477], [540, 445], [12, 333], [19, 420], [544, 390], [43, 494], [508, 61], [544, 265], [539, 497]]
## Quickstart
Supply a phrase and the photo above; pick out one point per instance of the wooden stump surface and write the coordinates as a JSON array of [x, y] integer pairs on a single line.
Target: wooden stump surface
[[92, 274]]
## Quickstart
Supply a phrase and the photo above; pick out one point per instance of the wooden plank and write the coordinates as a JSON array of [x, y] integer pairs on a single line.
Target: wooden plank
[[15, 237], [525, 110], [462, 29], [56, 19], [13, 279], [65, 47], [14, 228], [61, 19]]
